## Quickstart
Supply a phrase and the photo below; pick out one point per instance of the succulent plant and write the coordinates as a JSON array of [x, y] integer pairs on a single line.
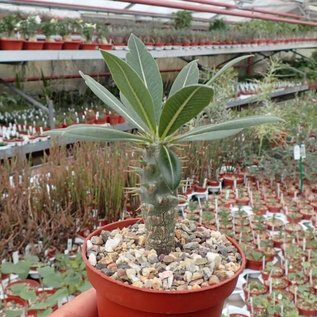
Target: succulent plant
[[159, 127]]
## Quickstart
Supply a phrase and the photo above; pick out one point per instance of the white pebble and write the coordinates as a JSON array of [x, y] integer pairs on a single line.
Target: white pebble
[[92, 259]]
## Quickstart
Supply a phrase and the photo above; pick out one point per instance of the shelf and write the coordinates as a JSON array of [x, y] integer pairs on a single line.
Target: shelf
[[278, 93], [45, 55], [42, 145]]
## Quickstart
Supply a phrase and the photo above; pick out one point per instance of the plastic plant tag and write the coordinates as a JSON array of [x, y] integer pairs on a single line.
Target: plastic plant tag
[[69, 244], [302, 151], [296, 152], [15, 257]]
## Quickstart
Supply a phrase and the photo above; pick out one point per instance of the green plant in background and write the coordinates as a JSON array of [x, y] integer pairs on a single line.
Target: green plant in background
[[102, 33], [182, 19], [49, 27], [9, 25], [88, 30], [30, 26], [141, 92], [217, 25]]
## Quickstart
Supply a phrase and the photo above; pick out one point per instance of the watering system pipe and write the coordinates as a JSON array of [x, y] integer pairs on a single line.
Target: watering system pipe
[[232, 6], [169, 4], [91, 8], [209, 9]]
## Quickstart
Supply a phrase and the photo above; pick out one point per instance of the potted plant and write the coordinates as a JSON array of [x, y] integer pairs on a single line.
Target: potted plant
[[158, 124], [29, 28], [88, 30], [50, 30], [8, 33], [102, 36]]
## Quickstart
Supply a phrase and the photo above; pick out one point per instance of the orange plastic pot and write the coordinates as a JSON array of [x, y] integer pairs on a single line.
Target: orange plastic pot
[[33, 45], [115, 299]]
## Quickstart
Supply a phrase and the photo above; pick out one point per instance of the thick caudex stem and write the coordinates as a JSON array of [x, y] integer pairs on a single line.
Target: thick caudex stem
[[159, 205]]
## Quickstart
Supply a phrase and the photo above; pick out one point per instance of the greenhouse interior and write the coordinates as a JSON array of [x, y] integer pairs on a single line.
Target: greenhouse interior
[[158, 158]]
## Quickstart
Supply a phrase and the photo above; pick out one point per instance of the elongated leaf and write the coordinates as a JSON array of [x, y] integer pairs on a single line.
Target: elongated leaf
[[95, 133], [182, 107], [112, 102], [189, 75], [240, 123], [212, 135], [170, 167], [227, 66], [132, 87], [145, 66]]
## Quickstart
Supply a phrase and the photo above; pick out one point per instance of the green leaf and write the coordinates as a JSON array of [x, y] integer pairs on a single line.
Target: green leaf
[[189, 75], [145, 66], [95, 133], [28, 294], [170, 167], [183, 106], [54, 298], [227, 66], [54, 280], [7, 267], [86, 286], [46, 271], [132, 87], [112, 102], [240, 123], [22, 268], [39, 306], [13, 313], [212, 135], [31, 259]]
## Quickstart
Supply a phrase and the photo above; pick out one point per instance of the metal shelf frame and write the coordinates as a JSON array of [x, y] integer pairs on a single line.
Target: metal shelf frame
[[47, 55]]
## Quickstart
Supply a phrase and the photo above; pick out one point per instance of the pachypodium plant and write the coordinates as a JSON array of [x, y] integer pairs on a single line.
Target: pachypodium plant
[[159, 126]]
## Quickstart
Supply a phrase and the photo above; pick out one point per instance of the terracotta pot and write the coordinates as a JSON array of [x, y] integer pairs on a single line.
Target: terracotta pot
[[115, 119], [32, 283], [53, 46], [106, 47], [71, 45], [33, 45], [11, 44], [120, 300], [307, 312], [88, 46]]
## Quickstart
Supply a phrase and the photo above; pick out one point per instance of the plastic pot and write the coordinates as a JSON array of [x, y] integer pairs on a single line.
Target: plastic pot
[[88, 46], [71, 45], [33, 45], [115, 299], [11, 44], [53, 46]]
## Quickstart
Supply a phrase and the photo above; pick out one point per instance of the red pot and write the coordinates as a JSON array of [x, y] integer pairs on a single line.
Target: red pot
[[106, 47], [33, 45], [88, 46], [115, 119], [34, 312], [11, 44], [117, 299], [71, 45], [34, 284], [306, 312], [53, 46]]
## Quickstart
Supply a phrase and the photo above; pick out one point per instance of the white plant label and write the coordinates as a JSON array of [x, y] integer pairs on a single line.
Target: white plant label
[[302, 151], [296, 152], [69, 244], [15, 257]]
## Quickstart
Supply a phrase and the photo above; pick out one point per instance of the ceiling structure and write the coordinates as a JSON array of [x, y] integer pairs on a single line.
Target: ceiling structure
[[292, 11]]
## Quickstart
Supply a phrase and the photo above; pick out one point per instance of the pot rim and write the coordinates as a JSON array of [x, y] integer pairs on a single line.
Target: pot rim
[[144, 290]]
